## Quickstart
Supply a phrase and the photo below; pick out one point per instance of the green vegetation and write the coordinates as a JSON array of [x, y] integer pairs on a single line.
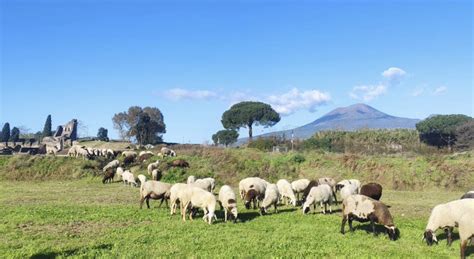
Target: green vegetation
[[440, 130], [47, 129], [5, 132], [102, 134], [145, 125], [84, 218], [225, 137]]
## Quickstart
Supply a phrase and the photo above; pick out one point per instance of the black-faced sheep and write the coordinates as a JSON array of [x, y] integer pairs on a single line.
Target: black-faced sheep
[[362, 208], [154, 190], [156, 175], [228, 202], [372, 190], [252, 190], [446, 216]]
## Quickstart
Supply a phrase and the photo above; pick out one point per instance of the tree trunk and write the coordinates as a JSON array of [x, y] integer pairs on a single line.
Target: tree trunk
[[250, 132]]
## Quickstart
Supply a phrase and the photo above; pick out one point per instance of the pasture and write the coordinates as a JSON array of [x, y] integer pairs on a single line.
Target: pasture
[[84, 218]]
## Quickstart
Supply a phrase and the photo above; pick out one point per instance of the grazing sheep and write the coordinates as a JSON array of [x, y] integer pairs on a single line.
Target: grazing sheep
[[153, 166], [191, 179], [332, 183], [252, 190], [156, 175], [125, 153], [167, 152], [129, 159], [129, 178], [272, 196], [179, 163], [362, 208], [142, 179], [468, 195], [446, 216], [154, 190], [205, 184], [194, 197], [321, 194], [176, 192], [142, 153], [72, 152], [372, 190], [108, 176], [83, 152], [228, 202], [53, 150], [103, 152], [343, 183], [299, 186], [466, 232], [348, 190], [144, 157], [212, 181], [111, 165], [110, 153], [118, 172], [308, 188], [286, 192]]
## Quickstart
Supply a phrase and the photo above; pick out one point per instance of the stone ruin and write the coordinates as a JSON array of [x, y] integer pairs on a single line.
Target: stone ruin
[[64, 136]]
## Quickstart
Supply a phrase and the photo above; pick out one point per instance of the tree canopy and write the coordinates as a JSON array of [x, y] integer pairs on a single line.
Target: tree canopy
[[246, 114], [145, 125], [15, 134], [225, 137], [5, 132], [465, 135], [440, 130], [102, 134], [47, 131]]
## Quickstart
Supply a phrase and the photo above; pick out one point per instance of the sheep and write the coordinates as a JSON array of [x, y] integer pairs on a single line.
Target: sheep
[[191, 179], [154, 190], [175, 194], [119, 172], [110, 153], [129, 178], [145, 155], [348, 190], [196, 197], [129, 159], [308, 188], [142, 179], [468, 195], [103, 152], [205, 184], [108, 176], [179, 163], [228, 202], [111, 165], [125, 153], [299, 186], [83, 152], [53, 150], [286, 192], [212, 181], [252, 189], [446, 216], [156, 175], [72, 151], [362, 208], [372, 190], [142, 153], [167, 152], [272, 196], [321, 194], [332, 183], [153, 166], [466, 232]]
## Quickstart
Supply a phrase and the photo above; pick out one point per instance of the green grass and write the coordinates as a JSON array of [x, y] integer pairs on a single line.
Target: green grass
[[84, 218]]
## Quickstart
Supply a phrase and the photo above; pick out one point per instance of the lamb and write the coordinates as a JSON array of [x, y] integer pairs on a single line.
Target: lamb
[[348, 190], [175, 194], [191, 179], [142, 179], [299, 186], [196, 197], [446, 216], [153, 166], [321, 194], [156, 175], [272, 196], [228, 202], [111, 165], [372, 190], [252, 190], [466, 232], [362, 208], [468, 195], [286, 192], [129, 178], [154, 190]]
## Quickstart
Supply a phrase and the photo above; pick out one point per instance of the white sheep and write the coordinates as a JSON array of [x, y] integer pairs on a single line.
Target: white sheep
[[205, 184], [145, 153], [446, 216], [299, 186], [111, 165], [110, 153], [129, 178], [155, 174], [348, 190], [118, 172], [154, 190], [286, 191], [175, 194], [321, 194], [252, 190], [191, 179], [272, 196], [125, 153], [153, 166], [167, 152], [142, 179], [194, 197], [228, 202], [466, 232]]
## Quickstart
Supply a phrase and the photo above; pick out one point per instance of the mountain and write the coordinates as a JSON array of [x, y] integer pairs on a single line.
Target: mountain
[[350, 118]]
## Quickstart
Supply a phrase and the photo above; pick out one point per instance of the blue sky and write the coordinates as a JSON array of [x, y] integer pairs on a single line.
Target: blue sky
[[193, 59]]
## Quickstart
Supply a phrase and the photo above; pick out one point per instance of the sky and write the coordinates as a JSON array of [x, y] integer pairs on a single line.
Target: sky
[[194, 59]]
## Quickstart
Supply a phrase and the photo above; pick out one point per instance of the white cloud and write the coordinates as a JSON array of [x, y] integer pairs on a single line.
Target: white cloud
[[440, 90], [177, 94], [394, 74], [367, 92], [417, 92], [294, 100]]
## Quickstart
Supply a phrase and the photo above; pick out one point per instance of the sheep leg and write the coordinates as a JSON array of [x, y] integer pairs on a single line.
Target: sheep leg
[[142, 199], [350, 224], [449, 233], [162, 199], [276, 209], [225, 215], [343, 224], [463, 248], [372, 223], [148, 202]]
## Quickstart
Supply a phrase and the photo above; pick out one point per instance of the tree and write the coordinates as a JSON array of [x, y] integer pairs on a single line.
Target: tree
[[465, 135], [102, 134], [225, 137], [145, 125], [440, 130], [5, 133], [47, 127], [15, 134], [246, 114]]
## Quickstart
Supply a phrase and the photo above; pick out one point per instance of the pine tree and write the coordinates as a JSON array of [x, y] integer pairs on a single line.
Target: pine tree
[[47, 127], [5, 133]]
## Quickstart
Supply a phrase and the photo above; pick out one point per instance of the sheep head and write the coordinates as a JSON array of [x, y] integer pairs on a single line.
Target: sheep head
[[393, 232], [430, 237]]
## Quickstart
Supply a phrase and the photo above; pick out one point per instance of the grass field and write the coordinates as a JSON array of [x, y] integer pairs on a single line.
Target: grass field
[[84, 218]]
